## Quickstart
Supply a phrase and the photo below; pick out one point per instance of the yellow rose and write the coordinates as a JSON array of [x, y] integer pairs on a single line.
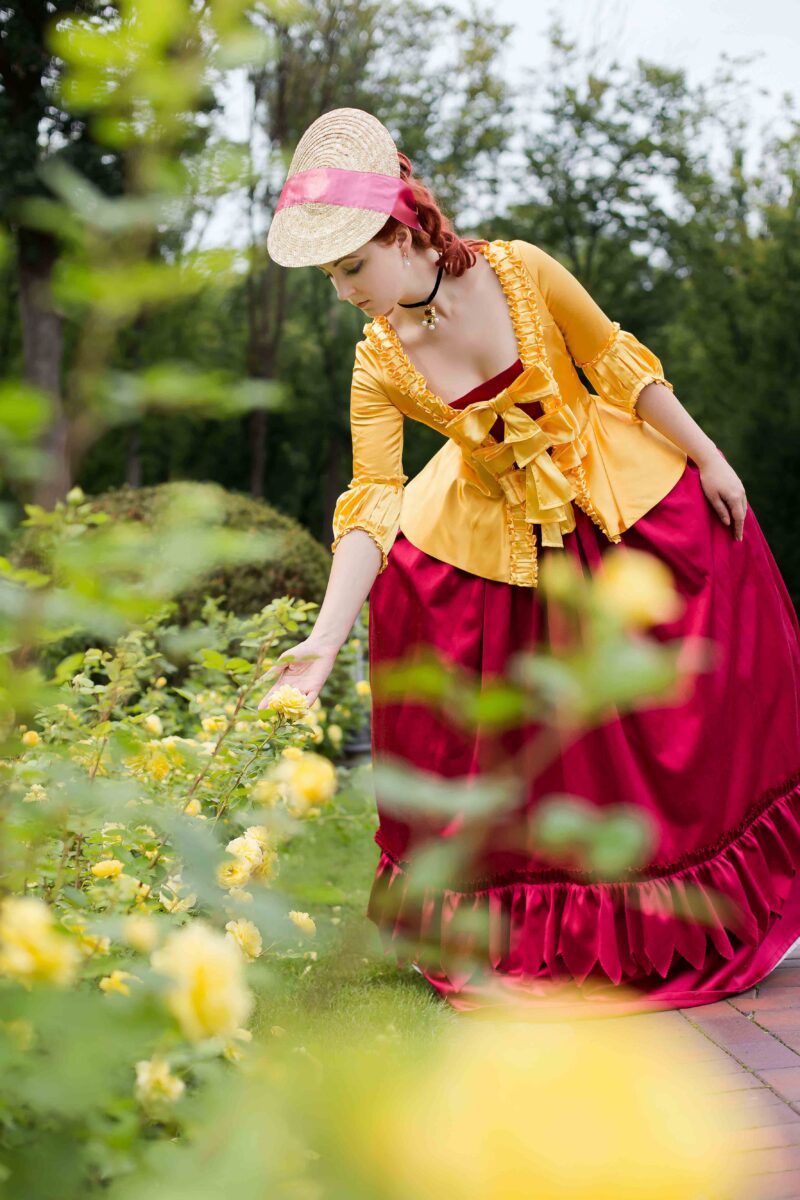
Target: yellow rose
[[161, 681], [291, 752], [335, 733], [363, 687], [156, 1086], [260, 834], [32, 949], [247, 937], [213, 724], [233, 874], [232, 1050], [152, 724], [193, 809], [117, 982], [304, 922], [248, 849], [266, 868], [150, 761], [171, 898], [108, 868], [30, 738], [35, 794], [266, 792], [289, 703], [237, 893], [140, 932], [311, 780], [207, 993], [93, 943]]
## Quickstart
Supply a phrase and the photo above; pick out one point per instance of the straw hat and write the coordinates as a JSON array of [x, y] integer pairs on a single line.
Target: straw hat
[[343, 184]]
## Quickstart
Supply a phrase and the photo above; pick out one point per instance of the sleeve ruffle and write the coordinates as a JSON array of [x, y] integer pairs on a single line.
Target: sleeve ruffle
[[374, 506], [621, 370]]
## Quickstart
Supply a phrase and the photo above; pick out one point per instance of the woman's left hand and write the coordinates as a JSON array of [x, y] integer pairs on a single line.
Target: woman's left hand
[[725, 492]]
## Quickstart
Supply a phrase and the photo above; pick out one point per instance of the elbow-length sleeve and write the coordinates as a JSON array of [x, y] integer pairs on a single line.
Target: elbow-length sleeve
[[374, 495], [615, 362]]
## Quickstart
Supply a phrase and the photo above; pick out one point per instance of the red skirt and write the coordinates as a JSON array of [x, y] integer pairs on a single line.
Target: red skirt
[[718, 772]]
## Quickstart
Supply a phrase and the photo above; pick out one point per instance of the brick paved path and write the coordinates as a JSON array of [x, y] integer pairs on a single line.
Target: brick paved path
[[752, 1045]]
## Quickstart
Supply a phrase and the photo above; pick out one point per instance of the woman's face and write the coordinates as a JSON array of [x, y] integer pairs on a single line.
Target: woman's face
[[372, 278]]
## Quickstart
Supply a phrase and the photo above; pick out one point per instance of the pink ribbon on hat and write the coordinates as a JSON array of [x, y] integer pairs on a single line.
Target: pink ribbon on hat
[[352, 189]]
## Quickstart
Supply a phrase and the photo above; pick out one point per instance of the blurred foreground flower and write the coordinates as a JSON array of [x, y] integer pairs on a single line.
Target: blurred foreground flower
[[208, 995], [117, 981], [307, 782], [303, 922], [140, 932], [637, 587], [32, 950], [156, 1086], [511, 1109]]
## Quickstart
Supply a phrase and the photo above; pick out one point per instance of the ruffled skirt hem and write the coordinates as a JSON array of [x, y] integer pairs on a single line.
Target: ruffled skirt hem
[[695, 935]]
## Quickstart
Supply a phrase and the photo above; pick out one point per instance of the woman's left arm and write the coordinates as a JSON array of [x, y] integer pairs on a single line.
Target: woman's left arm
[[626, 373], [661, 408]]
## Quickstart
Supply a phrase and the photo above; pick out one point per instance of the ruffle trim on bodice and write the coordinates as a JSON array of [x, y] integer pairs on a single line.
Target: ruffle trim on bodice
[[622, 928]]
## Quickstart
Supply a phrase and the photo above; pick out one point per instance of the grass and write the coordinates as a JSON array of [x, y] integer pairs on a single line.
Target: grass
[[351, 985]]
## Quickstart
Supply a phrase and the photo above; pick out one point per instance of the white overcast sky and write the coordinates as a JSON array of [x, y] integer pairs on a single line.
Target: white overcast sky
[[691, 34], [685, 33]]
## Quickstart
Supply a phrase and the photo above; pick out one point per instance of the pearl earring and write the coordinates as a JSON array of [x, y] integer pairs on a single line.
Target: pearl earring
[[406, 261]]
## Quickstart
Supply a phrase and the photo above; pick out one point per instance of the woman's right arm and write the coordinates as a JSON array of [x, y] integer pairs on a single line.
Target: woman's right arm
[[365, 524], [356, 563]]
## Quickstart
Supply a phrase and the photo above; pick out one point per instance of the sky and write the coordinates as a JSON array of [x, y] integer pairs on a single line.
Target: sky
[[691, 34], [695, 35]]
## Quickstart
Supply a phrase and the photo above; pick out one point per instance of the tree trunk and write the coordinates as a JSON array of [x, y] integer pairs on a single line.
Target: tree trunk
[[258, 452], [43, 350], [133, 459]]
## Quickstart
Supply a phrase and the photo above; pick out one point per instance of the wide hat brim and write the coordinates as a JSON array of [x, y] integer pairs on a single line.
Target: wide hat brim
[[309, 234]]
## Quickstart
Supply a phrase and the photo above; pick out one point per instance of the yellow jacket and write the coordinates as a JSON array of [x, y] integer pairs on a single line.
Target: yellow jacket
[[481, 504]]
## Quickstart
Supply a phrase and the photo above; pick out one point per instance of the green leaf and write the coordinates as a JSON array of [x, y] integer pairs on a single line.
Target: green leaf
[[213, 660], [241, 665]]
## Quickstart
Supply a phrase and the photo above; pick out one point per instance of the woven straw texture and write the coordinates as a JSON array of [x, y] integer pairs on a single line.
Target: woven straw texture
[[310, 234]]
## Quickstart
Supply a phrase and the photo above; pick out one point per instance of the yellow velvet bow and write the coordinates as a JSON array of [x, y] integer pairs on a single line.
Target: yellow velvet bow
[[520, 465]]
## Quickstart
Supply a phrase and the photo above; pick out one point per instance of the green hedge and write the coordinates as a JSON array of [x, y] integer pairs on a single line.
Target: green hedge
[[299, 567]]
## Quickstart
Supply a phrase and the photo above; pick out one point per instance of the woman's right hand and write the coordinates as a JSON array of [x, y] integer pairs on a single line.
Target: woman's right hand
[[313, 663]]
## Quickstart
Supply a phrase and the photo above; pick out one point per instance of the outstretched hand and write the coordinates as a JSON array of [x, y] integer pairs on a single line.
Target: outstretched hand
[[725, 492], [305, 666]]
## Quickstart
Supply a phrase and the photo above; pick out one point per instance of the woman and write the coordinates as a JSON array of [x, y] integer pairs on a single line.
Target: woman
[[536, 465]]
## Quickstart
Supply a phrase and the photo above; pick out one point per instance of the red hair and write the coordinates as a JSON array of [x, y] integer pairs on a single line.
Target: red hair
[[456, 254]]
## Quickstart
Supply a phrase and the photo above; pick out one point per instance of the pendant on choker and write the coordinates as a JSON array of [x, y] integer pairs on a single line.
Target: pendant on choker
[[431, 318]]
